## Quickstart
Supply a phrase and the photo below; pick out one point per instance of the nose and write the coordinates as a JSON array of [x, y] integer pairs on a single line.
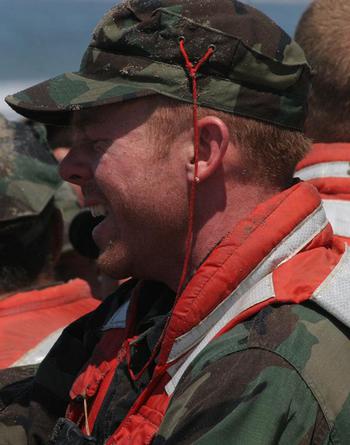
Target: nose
[[74, 168]]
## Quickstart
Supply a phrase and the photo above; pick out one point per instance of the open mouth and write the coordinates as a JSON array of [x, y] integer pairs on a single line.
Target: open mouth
[[98, 211]]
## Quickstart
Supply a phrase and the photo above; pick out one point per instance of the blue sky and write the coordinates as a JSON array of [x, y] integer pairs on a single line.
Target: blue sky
[[39, 37]]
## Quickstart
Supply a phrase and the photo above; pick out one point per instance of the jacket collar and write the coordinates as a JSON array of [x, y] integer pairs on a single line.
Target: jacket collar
[[274, 232]]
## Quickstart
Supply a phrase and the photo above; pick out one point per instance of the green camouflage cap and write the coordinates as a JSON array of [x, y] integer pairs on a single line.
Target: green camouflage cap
[[256, 70], [28, 172]]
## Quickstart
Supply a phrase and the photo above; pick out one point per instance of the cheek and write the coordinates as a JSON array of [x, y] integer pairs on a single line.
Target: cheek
[[110, 173], [143, 191], [162, 202]]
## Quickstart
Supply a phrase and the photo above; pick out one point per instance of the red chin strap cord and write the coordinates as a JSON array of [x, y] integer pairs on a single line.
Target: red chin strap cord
[[192, 70]]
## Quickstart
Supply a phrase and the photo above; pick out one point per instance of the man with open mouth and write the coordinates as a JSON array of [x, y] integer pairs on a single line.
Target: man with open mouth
[[187, 119]]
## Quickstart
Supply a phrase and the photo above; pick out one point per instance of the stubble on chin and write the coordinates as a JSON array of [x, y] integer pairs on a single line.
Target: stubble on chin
[[113, 262]]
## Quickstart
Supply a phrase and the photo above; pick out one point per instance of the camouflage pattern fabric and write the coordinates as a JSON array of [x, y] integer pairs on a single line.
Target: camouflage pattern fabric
[[28, 172], [155, 303], [256, 70], [228, 395], [30, 409]]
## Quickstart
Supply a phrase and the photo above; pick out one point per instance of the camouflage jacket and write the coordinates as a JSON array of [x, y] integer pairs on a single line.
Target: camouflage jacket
[[280, 374], [282, 377], [229, 393]]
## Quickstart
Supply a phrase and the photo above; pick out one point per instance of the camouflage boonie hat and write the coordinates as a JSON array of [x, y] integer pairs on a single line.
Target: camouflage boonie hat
[[28, 172], [256, 70]]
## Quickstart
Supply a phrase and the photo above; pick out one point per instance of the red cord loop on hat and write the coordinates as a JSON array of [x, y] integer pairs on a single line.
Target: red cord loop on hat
[[192, 71]]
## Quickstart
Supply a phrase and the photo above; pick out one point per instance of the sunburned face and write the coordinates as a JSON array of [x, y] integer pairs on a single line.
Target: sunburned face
[[142, 195]]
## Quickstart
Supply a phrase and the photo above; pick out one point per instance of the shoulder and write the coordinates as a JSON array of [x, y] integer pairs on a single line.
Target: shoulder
[[298, 350], [303, 336]]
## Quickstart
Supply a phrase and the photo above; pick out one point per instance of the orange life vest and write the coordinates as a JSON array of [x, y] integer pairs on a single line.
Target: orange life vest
[[284, 252], [327, 167], [31, 321]]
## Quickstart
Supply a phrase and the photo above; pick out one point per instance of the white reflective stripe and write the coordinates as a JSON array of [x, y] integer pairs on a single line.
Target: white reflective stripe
[[288, 247], [333, 295], [339, 169], [118, 319], [39, 352], [261, 292], [338, 213], [177, 365]]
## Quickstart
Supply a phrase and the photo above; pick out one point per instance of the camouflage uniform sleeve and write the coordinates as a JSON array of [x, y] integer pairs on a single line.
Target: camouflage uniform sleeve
[[251, 397]]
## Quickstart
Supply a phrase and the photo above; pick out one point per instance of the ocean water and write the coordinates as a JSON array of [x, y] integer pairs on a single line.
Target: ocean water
[[42, 38]]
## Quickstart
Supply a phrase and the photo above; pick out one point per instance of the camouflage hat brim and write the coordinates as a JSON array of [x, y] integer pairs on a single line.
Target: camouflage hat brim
[[53, 101], [256, 70]]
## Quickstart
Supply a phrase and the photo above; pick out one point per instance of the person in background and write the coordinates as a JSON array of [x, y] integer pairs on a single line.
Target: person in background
[[324, 34], [34, 305], [187, 118]]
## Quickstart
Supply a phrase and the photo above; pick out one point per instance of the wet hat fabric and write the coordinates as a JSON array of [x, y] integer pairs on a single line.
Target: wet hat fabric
[[256, 70]]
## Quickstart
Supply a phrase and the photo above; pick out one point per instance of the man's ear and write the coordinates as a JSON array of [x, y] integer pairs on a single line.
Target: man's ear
[[214, 140]]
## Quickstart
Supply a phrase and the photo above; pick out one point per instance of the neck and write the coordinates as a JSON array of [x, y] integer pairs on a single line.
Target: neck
[[216, 219]]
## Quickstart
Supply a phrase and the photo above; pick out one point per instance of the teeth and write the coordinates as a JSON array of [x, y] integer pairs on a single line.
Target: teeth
[[98, 210]]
